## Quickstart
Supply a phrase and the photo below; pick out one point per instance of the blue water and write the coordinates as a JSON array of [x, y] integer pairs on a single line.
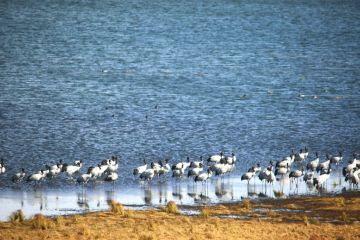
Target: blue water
[[170, 79]]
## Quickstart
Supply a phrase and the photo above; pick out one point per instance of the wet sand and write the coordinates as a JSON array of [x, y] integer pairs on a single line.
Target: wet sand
[[327, 217]]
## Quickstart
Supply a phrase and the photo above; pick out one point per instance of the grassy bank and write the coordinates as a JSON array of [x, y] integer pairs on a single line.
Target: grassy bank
[[335, 217]]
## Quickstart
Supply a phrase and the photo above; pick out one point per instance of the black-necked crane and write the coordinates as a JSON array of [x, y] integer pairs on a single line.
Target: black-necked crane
[[324, 165], [19, 176], [248, 175], [147, 175], [72, 169], [313, 164], [2, 166], [216, 158], [140, 169], [36, 177], [197, 164], [321, 180], [336, 159], [302, 155]]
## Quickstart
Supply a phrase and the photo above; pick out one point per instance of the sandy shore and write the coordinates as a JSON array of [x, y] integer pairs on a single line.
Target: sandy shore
[[332, 217]]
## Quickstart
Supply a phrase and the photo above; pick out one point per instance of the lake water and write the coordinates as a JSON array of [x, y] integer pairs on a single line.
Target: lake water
[[170, 79]]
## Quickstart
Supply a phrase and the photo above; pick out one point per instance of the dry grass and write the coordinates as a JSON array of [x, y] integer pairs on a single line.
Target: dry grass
[[340, 202], [39, 221], [271, 214], [171, 207], [246, 204], [316, 237], [344, 217], [278, 194], [116, 207], [306, 220], [204, 212], [146, 237], [17, 217], [59, 221], [151, 224]]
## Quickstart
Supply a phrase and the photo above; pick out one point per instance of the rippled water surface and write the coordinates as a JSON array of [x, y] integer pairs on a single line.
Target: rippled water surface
[[170, 79]]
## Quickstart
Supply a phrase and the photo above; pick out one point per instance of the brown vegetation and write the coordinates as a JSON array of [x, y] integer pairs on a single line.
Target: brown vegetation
[[120, 223], [17, 217]]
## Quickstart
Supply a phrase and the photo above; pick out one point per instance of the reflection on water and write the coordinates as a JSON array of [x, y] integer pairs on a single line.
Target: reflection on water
[[50, 201]]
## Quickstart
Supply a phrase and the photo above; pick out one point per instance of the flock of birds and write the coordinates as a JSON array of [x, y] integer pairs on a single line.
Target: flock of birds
[[106, 170], [314, 171], [218, 165], [317, 173]]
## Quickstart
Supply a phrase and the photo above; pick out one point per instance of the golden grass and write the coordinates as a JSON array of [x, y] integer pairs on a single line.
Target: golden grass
[[17, 217], [204, 212], [116, 207], [246, 204], [271, 214], [340, 202], [59, 221], [344, 217], [278, 194], [171, 207], [152, 224], [39, 221], [306, 220]]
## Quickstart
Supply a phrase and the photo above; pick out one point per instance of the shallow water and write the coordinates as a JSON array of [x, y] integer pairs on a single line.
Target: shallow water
[[48, 200], [170, 79]]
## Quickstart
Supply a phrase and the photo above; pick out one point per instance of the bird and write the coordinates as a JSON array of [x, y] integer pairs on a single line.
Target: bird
[[267, 175], [165, 168], [114, 166], [193, 172], [36, 177], [216, 158], [71, 169], [324, 165], [286, 162], [352, 164], [57, 166], [203, 177], [197, 164], [112, 177], [231, 159], [302, 155], [178, 173], [257, 168], [19, 176], [216, 167], [354, 176], [77, 162], [223, 168], [312, 165], [281, 171], [320, 180], [103, 168], [181, 165], [140, 169], [147, 175], [296, 175], [52, 171], [156, 166], [308, 177], [2, 166], [249, 174], [84, 178], [336, 159], [95, 171]]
